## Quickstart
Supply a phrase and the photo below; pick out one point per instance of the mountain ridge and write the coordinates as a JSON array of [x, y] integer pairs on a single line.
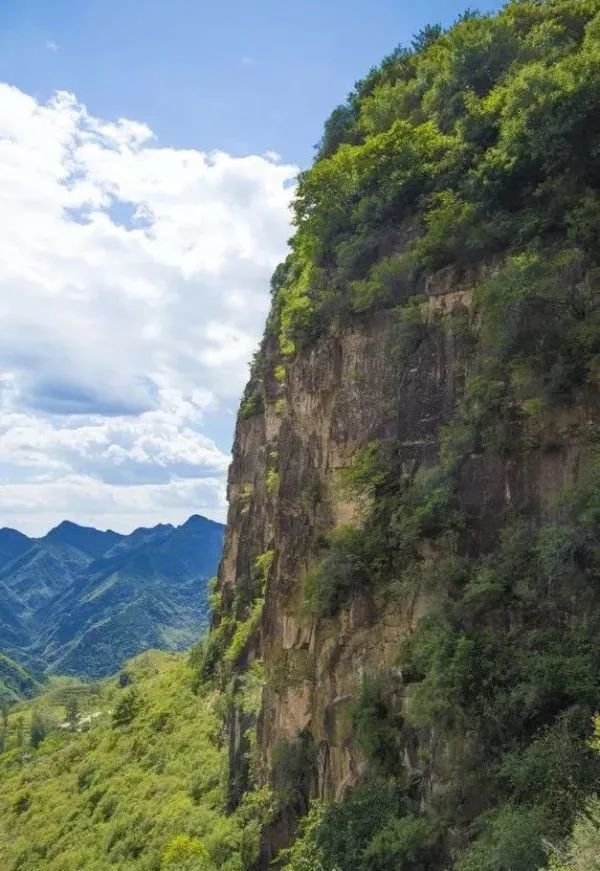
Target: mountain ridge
[[81, 600]]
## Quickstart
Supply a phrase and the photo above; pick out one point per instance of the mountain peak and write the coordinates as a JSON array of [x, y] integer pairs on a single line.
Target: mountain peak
[[197, 521], [12, 544], [94, 598], [91, 541], [69, 526]]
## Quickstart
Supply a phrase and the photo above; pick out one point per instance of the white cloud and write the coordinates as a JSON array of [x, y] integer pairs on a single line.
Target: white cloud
[[133, 289], [51, 45]]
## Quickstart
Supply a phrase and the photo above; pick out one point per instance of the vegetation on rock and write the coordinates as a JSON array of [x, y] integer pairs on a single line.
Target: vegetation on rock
[[466, 162]]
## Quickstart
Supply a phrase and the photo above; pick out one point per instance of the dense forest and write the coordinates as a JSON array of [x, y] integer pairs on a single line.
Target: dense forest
[[126, 773], [454, 206]]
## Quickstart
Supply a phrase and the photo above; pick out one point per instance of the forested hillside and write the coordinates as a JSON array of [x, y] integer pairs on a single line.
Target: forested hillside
[[133, 779], [16, 682], [80, 600]]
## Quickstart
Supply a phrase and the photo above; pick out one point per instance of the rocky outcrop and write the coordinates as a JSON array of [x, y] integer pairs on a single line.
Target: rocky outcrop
[[351, 386]]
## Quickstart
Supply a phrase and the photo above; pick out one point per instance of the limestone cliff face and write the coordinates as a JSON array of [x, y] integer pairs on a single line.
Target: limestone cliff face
[[350, 387]]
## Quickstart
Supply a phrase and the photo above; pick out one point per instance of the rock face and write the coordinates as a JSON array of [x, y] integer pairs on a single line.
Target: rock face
[[350, 387]]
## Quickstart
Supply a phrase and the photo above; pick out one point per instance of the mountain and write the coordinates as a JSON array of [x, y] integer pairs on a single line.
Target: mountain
[[16, 682], [86, 539], [12, 544], [412, 539], [403, 668], [80, 601]]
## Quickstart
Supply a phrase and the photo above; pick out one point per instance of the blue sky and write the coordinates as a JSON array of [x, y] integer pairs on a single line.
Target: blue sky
[[148, 151], [244, 77]]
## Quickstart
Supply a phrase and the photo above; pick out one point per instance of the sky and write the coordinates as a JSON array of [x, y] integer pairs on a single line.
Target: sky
[[148, 152]]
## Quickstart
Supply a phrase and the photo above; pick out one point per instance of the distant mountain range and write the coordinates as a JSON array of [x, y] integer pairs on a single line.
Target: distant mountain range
[[81, 601]]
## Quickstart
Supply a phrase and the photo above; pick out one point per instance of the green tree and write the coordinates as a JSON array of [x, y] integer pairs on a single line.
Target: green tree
[[126, 708], [19, 731], [37, 729], [71, 709]]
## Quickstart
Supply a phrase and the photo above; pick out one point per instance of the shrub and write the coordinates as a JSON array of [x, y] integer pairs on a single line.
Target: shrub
[[185, 852], [291, 772], [252, 404], [244, 631], [336, 836], [21, 802], [390, 281], [343, 571], [582, 850], [538, 309], [272, 481], [126, 708], [37, 729], [508, 839], [377, 730], [411, 328], [262, 566], [405, 844]]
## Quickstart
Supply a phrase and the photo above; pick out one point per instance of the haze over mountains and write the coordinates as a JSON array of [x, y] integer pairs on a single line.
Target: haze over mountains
[[81, 601]]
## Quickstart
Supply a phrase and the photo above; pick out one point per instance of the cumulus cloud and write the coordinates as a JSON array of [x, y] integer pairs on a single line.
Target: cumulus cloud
[[133, 289]]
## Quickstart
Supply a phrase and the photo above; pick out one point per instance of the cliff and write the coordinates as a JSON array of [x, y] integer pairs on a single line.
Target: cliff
[[409, 573]]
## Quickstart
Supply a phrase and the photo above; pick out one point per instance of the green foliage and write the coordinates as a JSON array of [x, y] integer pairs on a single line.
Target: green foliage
[[253, 680], [244, 631], [238, 623], [262, 566], [369, 831], [405, 844], [541, 311], [401, 511], [252, 404], [472, 141], [410, 329], [389, 281], [129, 798], [511, 839], [581, 850], [367, 472], [343, 571], [71, 709], [272, 481], [281, 406], [509, 660], [208, 653], [37, 729], [245, 498], [15, 681], [306, 853], [126, 708], [184, 852], [292, 668], [292, 770], [377, 730]]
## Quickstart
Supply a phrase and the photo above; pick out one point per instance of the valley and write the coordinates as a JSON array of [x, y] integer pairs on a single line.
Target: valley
[[80, 601]]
